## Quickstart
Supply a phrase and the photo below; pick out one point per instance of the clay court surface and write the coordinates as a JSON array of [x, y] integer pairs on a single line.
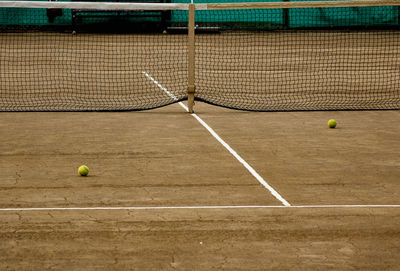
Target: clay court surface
[[163, 193], [173, 197]]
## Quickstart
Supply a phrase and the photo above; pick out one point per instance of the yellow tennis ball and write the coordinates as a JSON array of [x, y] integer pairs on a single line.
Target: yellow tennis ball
[[332, 123], [83, 170]]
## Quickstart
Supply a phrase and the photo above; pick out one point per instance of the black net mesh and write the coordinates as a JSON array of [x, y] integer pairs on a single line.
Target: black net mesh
[[122, 64], [252, 59], [300, 59]]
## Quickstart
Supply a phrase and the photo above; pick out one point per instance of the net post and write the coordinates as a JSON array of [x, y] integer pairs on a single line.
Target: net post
[[191, 57]]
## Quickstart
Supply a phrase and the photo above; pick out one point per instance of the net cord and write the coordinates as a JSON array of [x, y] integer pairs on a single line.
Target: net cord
[[205, 6], [94, 5]]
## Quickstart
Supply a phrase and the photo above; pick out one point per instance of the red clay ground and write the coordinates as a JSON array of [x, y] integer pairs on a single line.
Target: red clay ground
[[358, 162], [166, 158], [245, 239]]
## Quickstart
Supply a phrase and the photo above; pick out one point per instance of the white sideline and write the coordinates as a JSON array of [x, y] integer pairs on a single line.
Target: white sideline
[[197, 207], [220, 140]]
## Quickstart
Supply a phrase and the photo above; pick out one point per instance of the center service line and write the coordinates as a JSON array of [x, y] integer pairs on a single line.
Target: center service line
[[220, 140]]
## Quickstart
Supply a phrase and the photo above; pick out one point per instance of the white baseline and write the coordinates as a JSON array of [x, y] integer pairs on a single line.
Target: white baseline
[[110, 208]]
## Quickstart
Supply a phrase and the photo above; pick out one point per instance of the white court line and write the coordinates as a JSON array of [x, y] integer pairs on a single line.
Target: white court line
[[220, 140], [197, 207]]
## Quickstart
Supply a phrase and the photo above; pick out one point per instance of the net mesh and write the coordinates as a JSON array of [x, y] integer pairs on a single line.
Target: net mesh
[[300, 59], [117, 65], [279, 59]]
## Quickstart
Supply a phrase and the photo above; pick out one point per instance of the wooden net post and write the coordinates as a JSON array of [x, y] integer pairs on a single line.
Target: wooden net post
[[191, 57]]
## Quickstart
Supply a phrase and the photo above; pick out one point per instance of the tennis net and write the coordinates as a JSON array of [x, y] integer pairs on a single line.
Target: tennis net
[[277, 56]]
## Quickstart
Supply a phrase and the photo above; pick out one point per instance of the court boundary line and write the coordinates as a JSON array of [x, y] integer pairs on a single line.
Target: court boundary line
[[137, 208], [223, 143]]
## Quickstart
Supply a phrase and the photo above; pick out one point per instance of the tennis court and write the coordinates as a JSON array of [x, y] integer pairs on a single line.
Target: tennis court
[[174, 197], [220, 189]]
